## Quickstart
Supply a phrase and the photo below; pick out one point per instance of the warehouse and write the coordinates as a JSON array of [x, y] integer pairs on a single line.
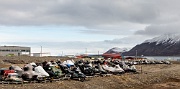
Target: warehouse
[[14, 51]]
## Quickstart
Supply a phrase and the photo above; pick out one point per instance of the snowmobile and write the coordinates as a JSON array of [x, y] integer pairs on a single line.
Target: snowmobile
[[33, 72], [128, 67], [2, 73], [86, 68], [75, 73], [53, 71], [116, 69], [17, 69], [102, 71], [13, 77], [9, 75], [68, 63]]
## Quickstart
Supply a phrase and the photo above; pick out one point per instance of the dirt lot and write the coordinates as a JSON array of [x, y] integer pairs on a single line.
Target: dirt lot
[[159, 76]]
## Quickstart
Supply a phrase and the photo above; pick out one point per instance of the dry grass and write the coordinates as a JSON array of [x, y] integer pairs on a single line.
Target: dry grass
[[160, 76]]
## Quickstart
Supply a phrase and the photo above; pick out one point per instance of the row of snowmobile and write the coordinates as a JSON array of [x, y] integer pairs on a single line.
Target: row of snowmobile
[[140, 62], [69, 69]]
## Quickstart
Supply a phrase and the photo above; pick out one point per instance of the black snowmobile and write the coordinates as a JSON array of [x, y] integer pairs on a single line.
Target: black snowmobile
[[75, 73], [86, 68]]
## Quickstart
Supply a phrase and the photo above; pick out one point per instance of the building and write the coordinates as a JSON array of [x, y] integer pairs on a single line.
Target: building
[[36, 54], [112, 55], [41, 54], [14, 51]]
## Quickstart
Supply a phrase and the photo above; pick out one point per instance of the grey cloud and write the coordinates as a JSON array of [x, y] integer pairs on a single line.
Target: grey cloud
[[158, 29], [98, 16], [79, 12]]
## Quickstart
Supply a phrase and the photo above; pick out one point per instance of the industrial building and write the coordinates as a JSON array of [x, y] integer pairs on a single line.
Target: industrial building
[[14, 51]]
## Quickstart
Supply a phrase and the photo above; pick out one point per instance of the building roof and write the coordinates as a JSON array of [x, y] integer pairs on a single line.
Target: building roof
[[13, 46]]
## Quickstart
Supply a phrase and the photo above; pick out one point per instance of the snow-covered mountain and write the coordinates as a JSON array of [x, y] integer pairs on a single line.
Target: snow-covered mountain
[[117, 50], [167, 38], [164, 45]]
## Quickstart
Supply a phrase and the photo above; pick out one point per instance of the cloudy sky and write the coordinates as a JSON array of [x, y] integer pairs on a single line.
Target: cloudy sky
[[76, 26]]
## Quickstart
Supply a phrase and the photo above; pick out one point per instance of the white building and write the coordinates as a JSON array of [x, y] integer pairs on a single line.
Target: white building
[[14, 51]]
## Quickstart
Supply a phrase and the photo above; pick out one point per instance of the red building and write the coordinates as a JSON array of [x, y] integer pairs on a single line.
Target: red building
[[112, 55]]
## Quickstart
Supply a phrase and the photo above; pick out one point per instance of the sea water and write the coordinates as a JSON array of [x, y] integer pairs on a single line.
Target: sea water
[[172, 58]]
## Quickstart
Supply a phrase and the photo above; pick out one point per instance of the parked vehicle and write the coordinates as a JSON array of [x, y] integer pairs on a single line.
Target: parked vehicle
[[13, 77], [53, 71], [116, 69], [86, 68], [4, 73], [30, 73], [17, 69], [77, 74]]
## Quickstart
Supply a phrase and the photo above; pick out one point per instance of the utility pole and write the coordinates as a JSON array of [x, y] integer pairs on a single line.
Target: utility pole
[[62, 54], [41, 52], [86, 51], [98, 54], [136, 54]]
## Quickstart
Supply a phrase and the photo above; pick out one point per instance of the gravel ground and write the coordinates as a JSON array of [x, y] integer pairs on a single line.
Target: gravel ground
[[159, 76]]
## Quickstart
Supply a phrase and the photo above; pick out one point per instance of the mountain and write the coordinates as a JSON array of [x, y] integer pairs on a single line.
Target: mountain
[[116, 50], [164, 45]]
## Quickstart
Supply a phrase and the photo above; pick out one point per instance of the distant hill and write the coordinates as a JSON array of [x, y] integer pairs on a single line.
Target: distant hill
[[116, 50], [164, 45]]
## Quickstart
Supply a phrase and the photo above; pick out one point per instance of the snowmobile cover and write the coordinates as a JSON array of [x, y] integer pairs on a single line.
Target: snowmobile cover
[[33, 64], [17, 69], [30, 70], [40, 70], [116, 69], [68, 63]]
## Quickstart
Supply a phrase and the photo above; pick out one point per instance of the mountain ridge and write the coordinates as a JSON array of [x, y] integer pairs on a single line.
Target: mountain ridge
[[116, 50], [166, 38], [164, 45]]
